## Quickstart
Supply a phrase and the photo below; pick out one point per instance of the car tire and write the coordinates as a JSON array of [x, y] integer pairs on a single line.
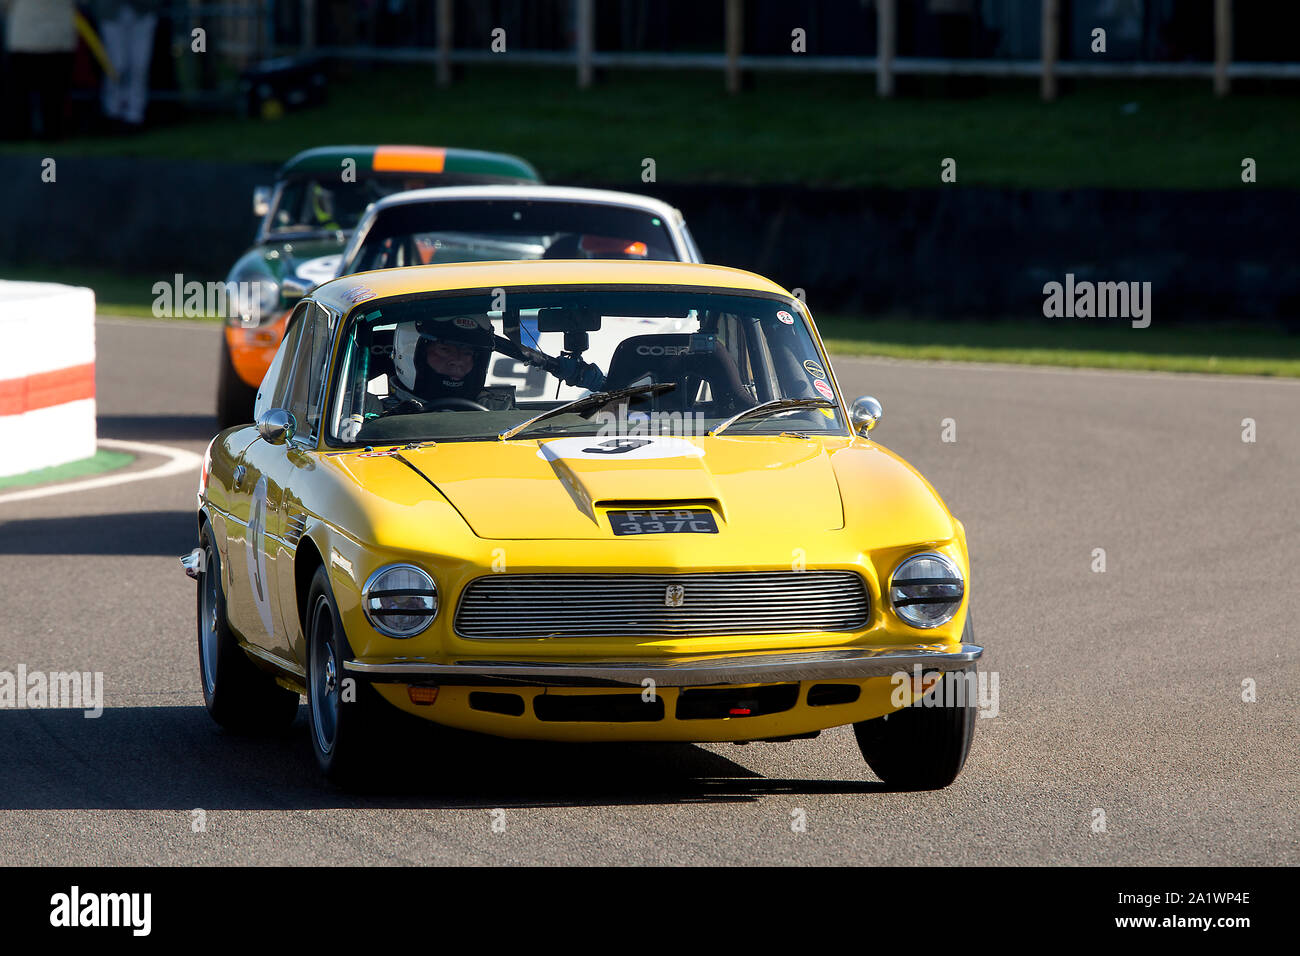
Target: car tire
[[924, 747], [235, 397], [348, 737], [239, 696]]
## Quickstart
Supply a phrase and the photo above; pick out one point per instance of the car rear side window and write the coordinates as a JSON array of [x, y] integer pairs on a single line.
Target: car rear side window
[[275, 384], [304, 395]]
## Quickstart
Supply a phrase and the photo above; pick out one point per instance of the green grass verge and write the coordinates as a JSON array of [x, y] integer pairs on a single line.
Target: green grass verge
[[804, 128], [115, 293], [1225, 350], [100, 461]]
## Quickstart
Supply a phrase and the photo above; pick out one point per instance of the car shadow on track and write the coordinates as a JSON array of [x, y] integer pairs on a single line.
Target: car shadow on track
[[161, 758], [129, 533], [159, 428]]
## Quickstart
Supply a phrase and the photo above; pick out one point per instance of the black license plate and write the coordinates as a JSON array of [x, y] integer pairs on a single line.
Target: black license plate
[[664, 521]]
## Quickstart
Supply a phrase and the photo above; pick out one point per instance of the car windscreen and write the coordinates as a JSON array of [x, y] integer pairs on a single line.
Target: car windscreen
[[325, 202], [475, 365], [475, 230]]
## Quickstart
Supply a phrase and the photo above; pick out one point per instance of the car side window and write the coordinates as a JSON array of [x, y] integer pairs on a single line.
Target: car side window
[[321, 347], [308, 373], [275, 383]]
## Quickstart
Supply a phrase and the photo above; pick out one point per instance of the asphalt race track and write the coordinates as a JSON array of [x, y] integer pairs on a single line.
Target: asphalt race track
[[1120, 693]]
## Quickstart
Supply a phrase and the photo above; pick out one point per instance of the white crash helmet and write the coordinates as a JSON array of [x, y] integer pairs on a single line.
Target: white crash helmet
[[413, 372]]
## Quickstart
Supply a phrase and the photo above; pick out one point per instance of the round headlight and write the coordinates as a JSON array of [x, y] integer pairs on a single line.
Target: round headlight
[[400, 600], [926, 590]]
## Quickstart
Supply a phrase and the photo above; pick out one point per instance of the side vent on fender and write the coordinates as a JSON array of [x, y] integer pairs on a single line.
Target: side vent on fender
[[294, 526]]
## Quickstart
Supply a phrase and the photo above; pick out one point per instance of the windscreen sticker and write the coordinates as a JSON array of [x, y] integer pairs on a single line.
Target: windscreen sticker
[[785, 317], [824, 390], [595, 448], [813, 369]]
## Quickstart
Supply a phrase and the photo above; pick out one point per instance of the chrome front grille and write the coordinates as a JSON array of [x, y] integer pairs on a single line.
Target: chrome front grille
[[662, 605]]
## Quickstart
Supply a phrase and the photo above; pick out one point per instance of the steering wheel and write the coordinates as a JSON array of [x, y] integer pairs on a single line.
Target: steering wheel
[[455, 402]]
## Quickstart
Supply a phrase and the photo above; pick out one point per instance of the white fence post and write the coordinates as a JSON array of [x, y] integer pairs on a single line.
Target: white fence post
[[444, 42], [886, 40], [586, 41], [1051, 47], [1222, 45], [735, 31]]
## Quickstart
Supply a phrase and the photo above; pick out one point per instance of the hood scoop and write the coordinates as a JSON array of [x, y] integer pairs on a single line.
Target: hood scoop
[[599, 485]]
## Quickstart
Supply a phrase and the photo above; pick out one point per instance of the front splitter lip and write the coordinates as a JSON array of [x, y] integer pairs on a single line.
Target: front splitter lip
[[839, 663]]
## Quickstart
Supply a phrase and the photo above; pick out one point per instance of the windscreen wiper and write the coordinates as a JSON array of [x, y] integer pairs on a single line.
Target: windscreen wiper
[[767, 408], [592, 401]]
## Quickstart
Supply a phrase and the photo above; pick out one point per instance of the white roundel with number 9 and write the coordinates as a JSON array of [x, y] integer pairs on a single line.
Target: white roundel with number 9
[[630, 448]]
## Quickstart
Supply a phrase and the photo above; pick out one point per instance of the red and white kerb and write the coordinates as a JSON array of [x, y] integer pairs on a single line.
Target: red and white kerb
[[47, 375]]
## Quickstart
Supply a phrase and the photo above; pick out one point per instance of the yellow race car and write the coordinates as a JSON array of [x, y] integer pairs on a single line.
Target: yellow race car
[[686, 535]]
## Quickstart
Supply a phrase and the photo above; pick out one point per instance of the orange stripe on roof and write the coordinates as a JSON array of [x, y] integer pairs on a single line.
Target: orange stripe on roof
[[46, 389], [409, 159]]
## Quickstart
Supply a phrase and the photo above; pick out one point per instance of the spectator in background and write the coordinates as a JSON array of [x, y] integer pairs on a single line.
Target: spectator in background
[[40, 39], [126, 27]]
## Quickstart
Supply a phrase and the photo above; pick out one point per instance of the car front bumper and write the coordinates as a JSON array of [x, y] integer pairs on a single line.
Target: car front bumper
[[840, 663]]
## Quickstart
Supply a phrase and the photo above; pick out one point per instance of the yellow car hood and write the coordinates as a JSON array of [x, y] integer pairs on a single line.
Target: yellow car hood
[[559, 488]]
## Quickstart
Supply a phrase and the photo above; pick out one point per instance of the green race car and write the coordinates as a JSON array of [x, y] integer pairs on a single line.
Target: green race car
[[306, 218]]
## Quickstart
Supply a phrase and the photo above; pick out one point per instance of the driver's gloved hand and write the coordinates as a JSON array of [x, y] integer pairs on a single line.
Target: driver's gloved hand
[[571, 370], [411, 406], [592, 379]]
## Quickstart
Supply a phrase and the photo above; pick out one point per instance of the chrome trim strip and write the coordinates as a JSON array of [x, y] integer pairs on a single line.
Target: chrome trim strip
[[274, 659], [841, 663]]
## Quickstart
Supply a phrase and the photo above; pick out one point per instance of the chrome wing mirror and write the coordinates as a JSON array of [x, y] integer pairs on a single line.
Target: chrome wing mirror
[[865, 414], [276, 426]]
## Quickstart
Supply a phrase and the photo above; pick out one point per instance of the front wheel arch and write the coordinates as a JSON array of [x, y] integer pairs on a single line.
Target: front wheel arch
[[305, 562]]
